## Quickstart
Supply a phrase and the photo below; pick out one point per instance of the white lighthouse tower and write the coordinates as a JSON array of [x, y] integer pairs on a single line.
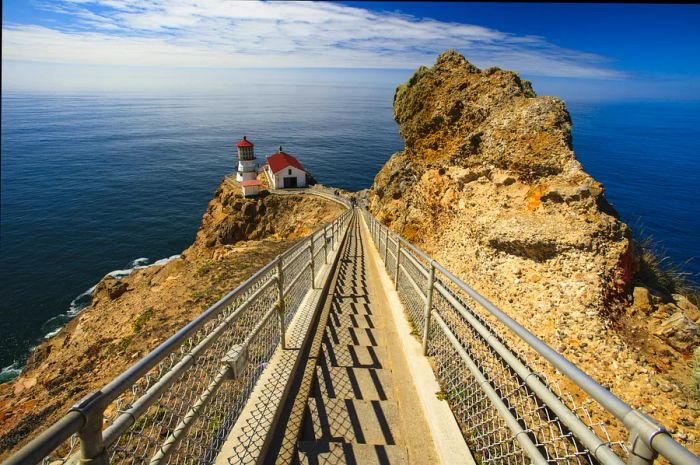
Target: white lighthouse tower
[[247, 165]]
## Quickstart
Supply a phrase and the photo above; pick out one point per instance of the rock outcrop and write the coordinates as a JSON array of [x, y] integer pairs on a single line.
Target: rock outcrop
[[132, 315], [488, 185]]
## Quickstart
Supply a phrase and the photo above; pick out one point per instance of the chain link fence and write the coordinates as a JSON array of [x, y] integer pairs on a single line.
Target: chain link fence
[[179, 403], [492, 374]]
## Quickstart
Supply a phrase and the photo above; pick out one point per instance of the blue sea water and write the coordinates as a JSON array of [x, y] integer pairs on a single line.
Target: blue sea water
[[95, 183]]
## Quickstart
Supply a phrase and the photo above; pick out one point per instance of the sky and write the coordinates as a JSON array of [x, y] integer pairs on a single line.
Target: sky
[[588, 51]]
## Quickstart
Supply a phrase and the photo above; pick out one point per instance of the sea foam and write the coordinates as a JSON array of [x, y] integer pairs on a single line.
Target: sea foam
[[76, 306]]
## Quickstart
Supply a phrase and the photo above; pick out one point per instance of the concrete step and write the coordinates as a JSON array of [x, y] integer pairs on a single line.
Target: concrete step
[[338, 453], [354, 336], [354, 383], [355, 321], [353, 356], [351, 305], [351, 420]]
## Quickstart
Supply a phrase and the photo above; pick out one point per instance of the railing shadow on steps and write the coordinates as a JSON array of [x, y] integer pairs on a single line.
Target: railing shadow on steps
[[507, 408], [178, 403]]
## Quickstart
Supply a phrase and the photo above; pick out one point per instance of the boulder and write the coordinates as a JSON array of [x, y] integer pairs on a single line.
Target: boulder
[[642, 300], [680, 332], [688, 308], [110, 287]]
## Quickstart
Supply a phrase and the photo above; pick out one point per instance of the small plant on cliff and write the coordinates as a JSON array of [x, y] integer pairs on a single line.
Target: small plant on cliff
[[204, 269], [125, 341], [658, 272], [141, 320]]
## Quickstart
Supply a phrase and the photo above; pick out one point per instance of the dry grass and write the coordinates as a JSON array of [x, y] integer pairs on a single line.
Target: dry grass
[[658, 271]]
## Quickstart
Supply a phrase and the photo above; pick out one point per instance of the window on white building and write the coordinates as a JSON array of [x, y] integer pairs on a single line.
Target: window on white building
[[289, 171]]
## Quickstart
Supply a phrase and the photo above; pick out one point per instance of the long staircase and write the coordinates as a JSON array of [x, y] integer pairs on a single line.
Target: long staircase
[[353, 347], [352, 415]]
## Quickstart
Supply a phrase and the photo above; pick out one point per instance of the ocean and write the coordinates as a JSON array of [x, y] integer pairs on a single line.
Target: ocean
[[96, 183]]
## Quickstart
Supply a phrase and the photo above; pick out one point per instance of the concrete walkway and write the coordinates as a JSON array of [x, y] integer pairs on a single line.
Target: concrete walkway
[[358, 404]]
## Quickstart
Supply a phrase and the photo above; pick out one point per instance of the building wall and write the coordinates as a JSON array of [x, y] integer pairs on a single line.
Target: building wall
[[247, 170], [278, 178], [249, 191]]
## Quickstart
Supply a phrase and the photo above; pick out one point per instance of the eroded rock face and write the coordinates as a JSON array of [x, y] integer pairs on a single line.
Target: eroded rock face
[[488, 184]]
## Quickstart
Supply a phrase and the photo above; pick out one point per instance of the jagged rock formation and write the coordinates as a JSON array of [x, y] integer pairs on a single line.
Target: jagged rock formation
[[488, 185], [132, 315]]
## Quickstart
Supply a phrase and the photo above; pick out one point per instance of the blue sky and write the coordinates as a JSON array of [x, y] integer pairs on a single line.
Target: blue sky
[[591, 51]]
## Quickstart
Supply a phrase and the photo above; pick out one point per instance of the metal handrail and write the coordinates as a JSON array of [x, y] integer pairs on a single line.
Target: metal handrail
[[86, 417], [647, 438]]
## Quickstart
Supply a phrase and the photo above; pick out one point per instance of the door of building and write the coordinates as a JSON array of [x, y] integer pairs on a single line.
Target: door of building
[[290, 182]]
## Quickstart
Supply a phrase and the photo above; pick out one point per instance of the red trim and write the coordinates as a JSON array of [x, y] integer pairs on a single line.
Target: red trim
[[244, 142]]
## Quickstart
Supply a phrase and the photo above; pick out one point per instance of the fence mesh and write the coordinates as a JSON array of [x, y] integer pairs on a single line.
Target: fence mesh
[[63, 453], [482, 425], [297, 281], [182, 410], [174, 407]]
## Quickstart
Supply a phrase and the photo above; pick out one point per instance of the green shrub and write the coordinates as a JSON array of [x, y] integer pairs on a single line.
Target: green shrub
[[141, 320], [205, 268]]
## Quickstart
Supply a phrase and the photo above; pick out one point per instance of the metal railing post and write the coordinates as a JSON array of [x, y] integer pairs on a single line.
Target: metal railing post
[[311, 249], [92, 448], [642, 430], [428, 307], [335, 235], [325, 244], [280, 303], [386, 245], [398, 261]]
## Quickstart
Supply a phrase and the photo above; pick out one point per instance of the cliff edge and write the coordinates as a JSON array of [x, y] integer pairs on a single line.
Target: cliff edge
[[489, 186], [131, 316]]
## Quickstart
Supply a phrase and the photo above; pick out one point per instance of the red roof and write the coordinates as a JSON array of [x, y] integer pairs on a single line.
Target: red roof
[[244, 143], [251, 182], [281, 160]]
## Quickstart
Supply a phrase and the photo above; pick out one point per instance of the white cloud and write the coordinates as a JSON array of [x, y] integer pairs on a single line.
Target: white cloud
[[221, 34]]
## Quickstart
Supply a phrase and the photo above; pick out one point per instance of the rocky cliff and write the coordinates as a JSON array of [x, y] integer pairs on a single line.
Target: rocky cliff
[[131, 316], [488, 185]]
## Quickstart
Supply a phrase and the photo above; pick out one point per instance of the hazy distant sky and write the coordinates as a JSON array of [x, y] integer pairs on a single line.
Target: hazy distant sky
[[588, 51]]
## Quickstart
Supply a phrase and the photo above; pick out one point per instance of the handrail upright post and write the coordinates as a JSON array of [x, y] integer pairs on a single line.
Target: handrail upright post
[[311, 249], [386, 245], [325, 244], [92, 448], [428, 307], [398, 261], [280, 302], [642, 430]]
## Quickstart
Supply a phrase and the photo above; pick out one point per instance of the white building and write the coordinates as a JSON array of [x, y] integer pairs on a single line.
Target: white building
[[251, 187], [247, 164], [284, 171]]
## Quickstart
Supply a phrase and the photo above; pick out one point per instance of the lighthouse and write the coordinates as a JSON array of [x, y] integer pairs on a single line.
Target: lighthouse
[[247, 165]]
